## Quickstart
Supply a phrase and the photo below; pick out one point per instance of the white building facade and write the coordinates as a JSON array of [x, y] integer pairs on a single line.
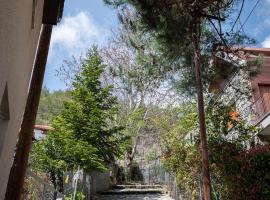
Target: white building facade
[[19, 33]]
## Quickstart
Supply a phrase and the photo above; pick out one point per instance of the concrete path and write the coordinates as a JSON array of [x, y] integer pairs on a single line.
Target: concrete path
[[134, 197], [134, 192]]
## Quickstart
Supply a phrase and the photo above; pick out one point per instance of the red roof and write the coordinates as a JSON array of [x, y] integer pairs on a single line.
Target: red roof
[[256, 51], [43, 127]]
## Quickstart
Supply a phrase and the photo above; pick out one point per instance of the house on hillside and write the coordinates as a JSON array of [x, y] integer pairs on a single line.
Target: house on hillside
[[40, 132], [252, 101], [21, 22]]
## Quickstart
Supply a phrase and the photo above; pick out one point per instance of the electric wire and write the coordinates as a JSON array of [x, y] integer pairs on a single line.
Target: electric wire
[[254, 7]]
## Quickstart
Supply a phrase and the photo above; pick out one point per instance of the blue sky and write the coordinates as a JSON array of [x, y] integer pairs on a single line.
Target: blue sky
[[87, 22]]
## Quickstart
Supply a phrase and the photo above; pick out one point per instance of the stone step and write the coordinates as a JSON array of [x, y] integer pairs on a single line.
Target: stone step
[[132, 191], [137, 187]]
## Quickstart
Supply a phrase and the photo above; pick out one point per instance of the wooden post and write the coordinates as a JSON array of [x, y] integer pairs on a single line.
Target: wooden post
[[201, 112], [18, 170]]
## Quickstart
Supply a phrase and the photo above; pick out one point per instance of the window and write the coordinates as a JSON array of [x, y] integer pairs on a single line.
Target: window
[[4, 117], [4, 106]]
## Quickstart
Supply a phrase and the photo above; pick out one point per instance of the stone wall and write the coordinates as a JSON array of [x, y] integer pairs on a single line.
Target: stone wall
[[238, 93], [100, 181]]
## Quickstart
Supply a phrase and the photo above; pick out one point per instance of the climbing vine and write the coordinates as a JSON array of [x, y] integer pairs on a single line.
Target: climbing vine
[[231, 164]]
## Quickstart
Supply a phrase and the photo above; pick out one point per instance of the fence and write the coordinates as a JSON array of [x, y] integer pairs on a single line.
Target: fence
[[155, 174]]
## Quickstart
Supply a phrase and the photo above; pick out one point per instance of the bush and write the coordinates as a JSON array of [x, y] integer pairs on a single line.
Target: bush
[[240, 174], [135, 172], [253, 181]]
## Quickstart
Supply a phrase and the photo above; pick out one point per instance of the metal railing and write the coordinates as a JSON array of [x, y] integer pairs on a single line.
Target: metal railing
[[155, 174], [260, 108]]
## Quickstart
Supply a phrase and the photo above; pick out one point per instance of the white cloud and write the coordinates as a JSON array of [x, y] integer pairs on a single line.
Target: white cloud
[[72, 37], [266, 42], [76, 33]]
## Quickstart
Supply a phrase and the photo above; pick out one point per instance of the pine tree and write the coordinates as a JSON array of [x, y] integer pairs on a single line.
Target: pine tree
[[84, 135], [182, 28]]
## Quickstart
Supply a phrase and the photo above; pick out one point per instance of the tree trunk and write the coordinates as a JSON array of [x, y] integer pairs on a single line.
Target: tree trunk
[[203, 137], [130, 157], [18, 170]]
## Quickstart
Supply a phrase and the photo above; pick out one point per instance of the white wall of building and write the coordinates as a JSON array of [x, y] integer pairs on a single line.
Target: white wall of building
[[20, 22]]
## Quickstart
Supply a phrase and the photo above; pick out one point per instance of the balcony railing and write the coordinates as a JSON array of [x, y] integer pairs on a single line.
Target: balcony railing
[[260, 108]]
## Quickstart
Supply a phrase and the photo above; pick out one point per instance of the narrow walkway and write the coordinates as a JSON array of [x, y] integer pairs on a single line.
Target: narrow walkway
[[134, 197], [134, 192]]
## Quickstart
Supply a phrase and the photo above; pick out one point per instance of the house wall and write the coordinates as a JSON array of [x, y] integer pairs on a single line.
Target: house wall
[[20, 28], [248, 101], [262, 78]]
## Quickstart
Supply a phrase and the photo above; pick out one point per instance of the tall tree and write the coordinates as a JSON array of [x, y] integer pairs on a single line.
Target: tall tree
[[139, 74], [85, 135], [181, 27]]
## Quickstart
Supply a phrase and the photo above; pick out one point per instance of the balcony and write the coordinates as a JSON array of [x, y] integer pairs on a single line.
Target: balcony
[[260, 109], [260, 115]]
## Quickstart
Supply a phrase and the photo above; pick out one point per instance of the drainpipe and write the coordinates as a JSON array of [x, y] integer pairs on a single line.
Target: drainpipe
[[18, 170]]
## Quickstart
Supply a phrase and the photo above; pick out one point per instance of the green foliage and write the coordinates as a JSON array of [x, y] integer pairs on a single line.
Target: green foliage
[[255, 65], [79, 196], [135, 172], [240, 173], [254, 175], [172, 26], [137, 71], [84, 135], [183, 159], [227, 150], [50, 105]]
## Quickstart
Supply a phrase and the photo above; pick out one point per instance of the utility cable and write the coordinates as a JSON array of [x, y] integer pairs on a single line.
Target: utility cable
[[258, 1], [239, 15]]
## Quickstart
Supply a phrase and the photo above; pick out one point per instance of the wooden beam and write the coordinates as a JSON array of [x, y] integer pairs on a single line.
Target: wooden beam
[[50, 12]]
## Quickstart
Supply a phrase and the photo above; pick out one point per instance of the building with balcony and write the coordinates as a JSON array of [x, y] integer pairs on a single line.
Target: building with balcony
[[40, 132], [248, 93]]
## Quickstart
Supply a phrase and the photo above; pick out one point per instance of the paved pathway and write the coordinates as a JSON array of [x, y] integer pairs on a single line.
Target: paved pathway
[[134, 197]]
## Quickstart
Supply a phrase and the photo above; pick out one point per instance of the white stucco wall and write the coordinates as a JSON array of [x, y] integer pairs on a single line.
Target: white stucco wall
[[19, 35]]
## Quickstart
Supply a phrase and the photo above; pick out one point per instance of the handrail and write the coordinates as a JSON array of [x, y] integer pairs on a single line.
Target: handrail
[[260, 108]]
